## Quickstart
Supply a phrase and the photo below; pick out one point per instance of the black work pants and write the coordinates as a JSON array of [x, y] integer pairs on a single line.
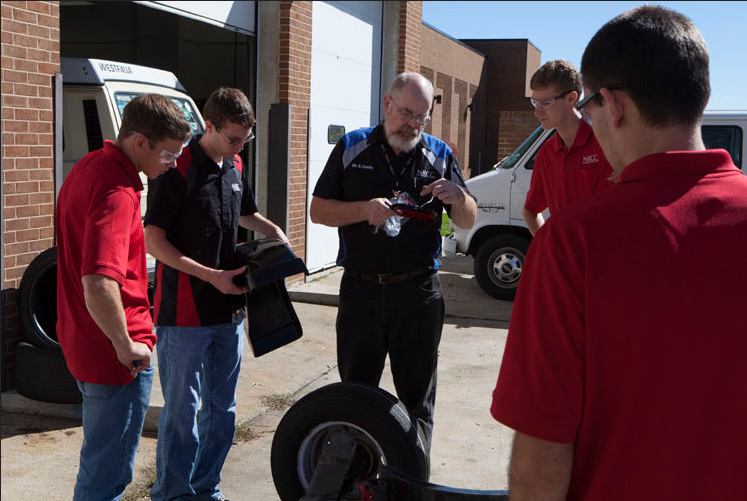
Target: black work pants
[[404, 320]]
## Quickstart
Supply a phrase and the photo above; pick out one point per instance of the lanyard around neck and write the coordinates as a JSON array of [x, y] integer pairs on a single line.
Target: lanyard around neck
[[390, 165]]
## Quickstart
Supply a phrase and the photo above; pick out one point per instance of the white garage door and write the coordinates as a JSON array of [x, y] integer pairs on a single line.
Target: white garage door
[[345, 90]]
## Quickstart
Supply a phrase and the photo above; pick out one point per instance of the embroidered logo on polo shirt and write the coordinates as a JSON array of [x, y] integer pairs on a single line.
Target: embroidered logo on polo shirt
[[426, 173], [361, 166], [590, 161], [236, 187]]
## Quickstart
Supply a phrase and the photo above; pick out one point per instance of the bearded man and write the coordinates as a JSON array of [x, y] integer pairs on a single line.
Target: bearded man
[[390, 293]]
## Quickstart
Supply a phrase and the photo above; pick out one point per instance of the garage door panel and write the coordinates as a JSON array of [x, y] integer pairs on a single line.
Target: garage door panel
[[355, 33], [345, 90]]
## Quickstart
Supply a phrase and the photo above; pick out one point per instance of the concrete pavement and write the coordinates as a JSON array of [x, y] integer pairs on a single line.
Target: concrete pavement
[[470, 449]]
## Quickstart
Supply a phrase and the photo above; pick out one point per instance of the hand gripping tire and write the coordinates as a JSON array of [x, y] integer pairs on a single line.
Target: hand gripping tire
[[37, 300], [377, 422], [41, 374]]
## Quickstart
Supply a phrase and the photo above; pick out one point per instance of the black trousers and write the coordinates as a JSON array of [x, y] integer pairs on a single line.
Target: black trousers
[[403, 320]]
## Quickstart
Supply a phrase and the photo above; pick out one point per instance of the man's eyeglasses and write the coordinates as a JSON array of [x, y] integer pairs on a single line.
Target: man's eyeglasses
[[591, 96], [169, 156], [235, 141], [409, 116], [547, 102]]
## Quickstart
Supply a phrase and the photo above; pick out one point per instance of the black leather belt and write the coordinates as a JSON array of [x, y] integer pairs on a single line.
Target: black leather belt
[[391, 278]]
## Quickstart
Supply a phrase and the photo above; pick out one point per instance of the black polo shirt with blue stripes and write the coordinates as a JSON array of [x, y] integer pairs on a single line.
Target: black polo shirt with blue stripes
[[198, 204], [358, 170]]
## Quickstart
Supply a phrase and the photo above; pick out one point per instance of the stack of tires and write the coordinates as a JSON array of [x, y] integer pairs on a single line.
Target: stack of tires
[[40, 370]]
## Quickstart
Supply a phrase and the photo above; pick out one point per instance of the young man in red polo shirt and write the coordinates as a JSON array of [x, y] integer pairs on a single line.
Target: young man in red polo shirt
[[570, 166], [631, 383], [103, 314]]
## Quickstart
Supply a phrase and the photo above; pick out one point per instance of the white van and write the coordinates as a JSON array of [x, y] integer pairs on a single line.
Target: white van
[[499, 239], [94, 94]]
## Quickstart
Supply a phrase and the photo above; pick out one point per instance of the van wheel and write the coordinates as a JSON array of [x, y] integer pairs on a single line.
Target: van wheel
[[498, 265], [375, 420], [37, 300], [42, 374]]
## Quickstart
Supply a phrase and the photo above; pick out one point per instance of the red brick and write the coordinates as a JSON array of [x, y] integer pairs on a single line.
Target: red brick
[[30, 164], [39, 55], [15, 151], [25, 90], [15, 26], [15, 76], [16, 176], [27, 210], [27, 235], [16, 224], [40, 7], [25, 41], [10, 101]]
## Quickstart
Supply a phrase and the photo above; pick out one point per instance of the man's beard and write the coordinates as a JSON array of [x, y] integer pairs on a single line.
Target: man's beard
[[403, 140]]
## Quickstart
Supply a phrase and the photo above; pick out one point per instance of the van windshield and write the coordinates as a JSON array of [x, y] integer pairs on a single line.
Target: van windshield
[[122, 98], [510, 161]]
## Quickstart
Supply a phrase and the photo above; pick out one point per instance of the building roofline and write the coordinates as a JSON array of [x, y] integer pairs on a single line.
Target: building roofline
[[466, 40], [453, 39]]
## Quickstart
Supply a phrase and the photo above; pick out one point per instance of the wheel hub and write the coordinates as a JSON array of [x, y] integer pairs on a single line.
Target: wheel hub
[[506, 267]]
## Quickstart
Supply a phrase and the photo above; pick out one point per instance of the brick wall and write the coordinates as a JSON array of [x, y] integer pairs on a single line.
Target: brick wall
[[410, 22], [455, 71], [294, 88], [30, 58], [515, 127]]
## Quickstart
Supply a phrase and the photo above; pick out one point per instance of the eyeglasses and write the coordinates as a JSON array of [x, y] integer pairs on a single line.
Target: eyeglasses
[[547, 102], [591, 96], [169, 156], [409, 116], [235, 141]]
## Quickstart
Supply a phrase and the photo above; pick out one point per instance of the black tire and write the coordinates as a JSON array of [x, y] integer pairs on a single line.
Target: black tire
[[498, 265], [42, 375], [37, 300], [377, 422]]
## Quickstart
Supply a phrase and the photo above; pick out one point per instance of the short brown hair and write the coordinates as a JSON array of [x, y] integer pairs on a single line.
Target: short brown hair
[[660, 58], [156, 117], [558, 73], [228, 105]]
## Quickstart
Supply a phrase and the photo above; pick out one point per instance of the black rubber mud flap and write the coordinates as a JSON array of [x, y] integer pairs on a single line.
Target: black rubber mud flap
[[376, 421]]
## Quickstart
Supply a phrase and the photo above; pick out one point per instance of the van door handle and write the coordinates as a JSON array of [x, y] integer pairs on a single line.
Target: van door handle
[[513, 177]]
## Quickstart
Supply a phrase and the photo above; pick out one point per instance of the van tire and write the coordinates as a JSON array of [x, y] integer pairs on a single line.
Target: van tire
[[378, 423], [37, 300], [42, 374], [498, 264]]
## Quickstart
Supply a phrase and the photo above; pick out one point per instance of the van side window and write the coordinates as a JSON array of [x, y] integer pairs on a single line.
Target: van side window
[[530, 163], [93, 126], [727, 137]]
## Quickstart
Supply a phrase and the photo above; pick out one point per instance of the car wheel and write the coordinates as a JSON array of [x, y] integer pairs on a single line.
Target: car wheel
[[498, 265], [375, 420], [42, 374], [37, 300]]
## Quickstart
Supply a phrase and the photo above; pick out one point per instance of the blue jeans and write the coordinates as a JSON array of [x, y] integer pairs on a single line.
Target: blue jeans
[[196, 363], [113, 417]]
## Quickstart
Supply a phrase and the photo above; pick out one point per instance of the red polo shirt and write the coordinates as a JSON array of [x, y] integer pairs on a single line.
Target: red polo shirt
[[563, 176], [629, 332], [99, 231]]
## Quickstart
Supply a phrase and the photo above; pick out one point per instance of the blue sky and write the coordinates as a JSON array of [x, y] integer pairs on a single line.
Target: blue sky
[[561, 30]]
